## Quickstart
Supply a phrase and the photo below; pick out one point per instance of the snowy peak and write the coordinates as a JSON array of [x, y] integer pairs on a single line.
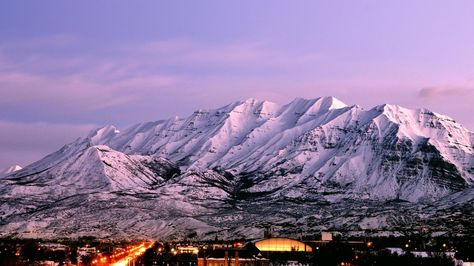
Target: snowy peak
[[256, 107], [369, 151], [103, 134], [120, 171], [10, 169], [327, 103], [415, 123], [267, 108], [315, 106], [250, 162], [97, 168]]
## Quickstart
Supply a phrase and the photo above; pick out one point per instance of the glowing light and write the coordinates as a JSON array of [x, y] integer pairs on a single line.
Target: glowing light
[[282, 244], [121, 263], [131, 254]]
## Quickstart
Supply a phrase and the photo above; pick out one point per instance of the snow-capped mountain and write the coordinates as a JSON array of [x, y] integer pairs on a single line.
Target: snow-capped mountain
[[312, 163], [10, 170]]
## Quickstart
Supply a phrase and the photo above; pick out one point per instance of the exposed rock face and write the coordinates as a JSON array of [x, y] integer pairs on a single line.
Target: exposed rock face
[[312, 164]]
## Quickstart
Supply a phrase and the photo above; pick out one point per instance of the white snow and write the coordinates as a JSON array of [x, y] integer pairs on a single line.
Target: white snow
[[323, 137], [306, 148], [10, 169]]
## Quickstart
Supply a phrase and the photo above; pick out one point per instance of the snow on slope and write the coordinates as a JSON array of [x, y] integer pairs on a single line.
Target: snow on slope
[[316, 141], [10, 170], [387, 152], [227, 166], [93, 169]]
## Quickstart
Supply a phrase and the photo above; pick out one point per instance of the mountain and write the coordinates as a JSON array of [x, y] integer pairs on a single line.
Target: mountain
[[307, 166], [10, 170]]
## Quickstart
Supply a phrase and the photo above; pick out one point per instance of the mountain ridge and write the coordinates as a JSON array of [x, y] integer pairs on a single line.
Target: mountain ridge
[[10, 169], [221, 162]]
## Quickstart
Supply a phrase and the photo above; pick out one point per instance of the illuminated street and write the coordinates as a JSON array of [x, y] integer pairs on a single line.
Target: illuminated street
[[125, 257]]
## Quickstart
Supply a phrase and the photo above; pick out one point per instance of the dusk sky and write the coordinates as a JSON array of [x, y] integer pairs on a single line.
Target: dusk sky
[[69, 66]]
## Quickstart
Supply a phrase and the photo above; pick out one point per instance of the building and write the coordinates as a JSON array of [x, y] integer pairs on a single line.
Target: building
[[86, 251], [279, 244], [326, 236], [54, 247], [188, 249], [245, 256]]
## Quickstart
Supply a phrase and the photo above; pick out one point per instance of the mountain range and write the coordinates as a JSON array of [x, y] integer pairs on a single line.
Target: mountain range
[[308, 166]]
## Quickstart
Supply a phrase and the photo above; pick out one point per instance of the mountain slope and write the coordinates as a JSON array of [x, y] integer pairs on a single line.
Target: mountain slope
[[10, 170], [320, 141], [313, 160]]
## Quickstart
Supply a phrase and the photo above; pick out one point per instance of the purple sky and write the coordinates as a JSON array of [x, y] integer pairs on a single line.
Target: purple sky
[[66, 66]]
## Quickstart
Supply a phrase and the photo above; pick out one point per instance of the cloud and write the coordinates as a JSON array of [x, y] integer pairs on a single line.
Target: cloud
[[192, 54], [24, 143], [132, 82], [454, 101], [76, 92], [47, 84], [441, 92]]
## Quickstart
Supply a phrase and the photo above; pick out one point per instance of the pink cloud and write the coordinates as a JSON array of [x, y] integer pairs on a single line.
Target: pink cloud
[[439, 92], [200, 75], [77, 91], [96, 83], [255, 53]]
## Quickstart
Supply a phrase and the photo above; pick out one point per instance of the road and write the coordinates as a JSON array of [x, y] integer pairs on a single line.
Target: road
[[126, 257]]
